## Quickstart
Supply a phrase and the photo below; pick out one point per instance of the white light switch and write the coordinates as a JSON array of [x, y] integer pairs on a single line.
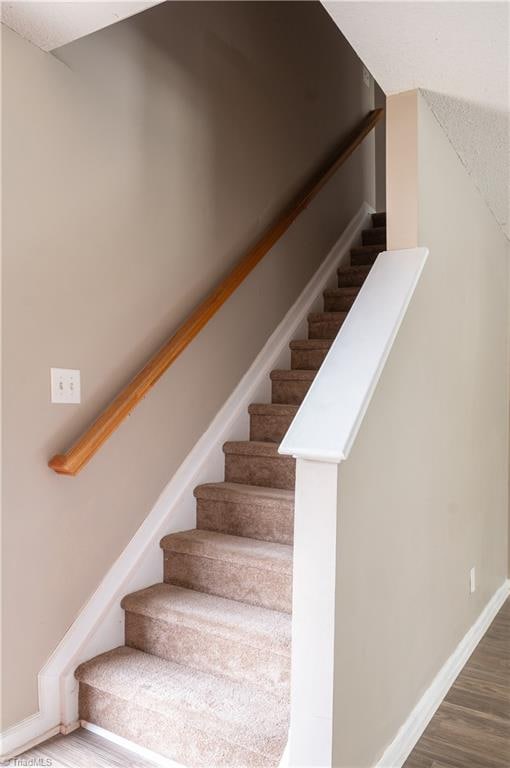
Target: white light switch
[[65, 385], [366, 77]]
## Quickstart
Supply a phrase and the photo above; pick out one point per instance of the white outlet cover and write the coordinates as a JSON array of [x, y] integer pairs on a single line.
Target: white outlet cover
[[65, 386], [472, 580]]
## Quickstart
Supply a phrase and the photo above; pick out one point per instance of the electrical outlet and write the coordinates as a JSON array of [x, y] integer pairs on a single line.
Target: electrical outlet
[[65, 385], [366, 77], [472, 580]]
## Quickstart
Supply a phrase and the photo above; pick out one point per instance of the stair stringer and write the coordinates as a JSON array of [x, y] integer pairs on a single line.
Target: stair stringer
[[100, 625]]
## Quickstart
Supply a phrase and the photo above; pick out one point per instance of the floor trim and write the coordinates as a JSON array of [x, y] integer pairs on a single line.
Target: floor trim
[[146, 754], [409, 734]]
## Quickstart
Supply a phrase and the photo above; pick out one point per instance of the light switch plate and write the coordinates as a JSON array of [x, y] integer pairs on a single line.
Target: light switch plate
[[65, 386], [366, 77]]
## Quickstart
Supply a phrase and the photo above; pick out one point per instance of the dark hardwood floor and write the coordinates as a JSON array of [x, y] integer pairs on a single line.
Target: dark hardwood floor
[[471, 728]]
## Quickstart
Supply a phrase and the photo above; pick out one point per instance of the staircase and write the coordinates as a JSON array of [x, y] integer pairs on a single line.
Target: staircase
[[204, 675]]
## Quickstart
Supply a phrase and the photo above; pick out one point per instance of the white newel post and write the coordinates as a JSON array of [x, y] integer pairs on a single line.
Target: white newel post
[[313, 614]]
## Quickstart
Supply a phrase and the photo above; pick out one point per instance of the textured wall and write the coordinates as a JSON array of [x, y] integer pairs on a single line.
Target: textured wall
[[423, 496], [136, 171]]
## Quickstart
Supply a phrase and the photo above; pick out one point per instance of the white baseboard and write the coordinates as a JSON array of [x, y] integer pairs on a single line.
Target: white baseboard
[[145, 754], [100, 625], [29, 733], [409, 734]]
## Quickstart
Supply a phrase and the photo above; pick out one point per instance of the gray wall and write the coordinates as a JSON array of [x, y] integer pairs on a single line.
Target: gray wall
[[424, 494], [136, 170]]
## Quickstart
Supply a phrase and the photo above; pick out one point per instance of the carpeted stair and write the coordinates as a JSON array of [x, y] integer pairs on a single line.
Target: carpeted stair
[[204, 675]]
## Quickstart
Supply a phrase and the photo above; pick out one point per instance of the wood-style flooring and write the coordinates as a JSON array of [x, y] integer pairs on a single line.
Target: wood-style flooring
[[80, 749], [471, 728]]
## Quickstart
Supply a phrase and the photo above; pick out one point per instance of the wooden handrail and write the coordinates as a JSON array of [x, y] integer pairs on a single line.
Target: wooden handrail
[[71, 462]]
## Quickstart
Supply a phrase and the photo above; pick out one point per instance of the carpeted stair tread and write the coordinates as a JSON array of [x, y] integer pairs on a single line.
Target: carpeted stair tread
[[249, 511], [252, 448], [293, 375], [310, 344], [359, 250], [238, 568], [308, 353], [290, 386], [254, 494], [340, 299], [272, 409], [269, 422], [257, 462], [325, 325], [228, 618], [365, 254], [374, 235], [197, 718], [353, 276], [325, 317], [231, 549], [379, 219], [349, 292]]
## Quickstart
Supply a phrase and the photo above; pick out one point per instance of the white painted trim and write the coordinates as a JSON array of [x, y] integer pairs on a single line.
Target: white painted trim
[[313, 614], [29, 733], [408, 735], [100, 625], [145, 754], [331, 414], [18, 739]]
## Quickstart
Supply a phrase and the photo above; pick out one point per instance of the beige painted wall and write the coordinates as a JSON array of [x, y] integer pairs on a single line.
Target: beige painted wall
[[423, 495], [136, 170]]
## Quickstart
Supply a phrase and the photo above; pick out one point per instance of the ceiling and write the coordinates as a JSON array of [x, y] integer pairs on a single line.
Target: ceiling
[[458, 53], [50, 25]]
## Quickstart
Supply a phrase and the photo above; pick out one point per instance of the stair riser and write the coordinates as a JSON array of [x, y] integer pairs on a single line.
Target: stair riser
[[338, 303], [379, 219], [321, 329], [209, 652], [247, 584], [172, 735], [290, 392], [352, 279], [375, 236], [253, 521], [272, 472], [364, 259], [266, 428], [307, 360]]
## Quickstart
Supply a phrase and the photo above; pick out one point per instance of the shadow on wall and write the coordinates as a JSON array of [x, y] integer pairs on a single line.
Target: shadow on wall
[[164, 145]]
